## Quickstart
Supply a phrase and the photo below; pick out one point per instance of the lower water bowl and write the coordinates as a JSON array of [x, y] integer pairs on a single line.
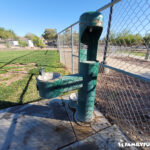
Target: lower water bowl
[[47, 85]]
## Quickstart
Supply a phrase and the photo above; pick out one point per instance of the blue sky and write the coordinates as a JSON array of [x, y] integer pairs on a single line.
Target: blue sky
[[23, 16]]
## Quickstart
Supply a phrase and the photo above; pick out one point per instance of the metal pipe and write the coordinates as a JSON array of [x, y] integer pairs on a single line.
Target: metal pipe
[[108, 32], [68, 27], [72, 49], [108, 5], [58, 47], [147, 53]]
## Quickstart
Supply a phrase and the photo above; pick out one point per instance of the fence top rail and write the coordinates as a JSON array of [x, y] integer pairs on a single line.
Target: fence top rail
[[99, 10]]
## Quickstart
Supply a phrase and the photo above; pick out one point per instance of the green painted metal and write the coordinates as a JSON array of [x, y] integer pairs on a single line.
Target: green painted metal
[[83, 54], [91, 25], [86, 95], [51, 89]]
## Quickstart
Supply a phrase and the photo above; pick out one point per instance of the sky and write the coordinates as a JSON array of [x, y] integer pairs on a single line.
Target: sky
[[33, 16]]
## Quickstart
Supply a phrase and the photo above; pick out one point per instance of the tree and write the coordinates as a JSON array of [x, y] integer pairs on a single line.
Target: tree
[[126, 38], [49, 34], [67, 37], [112, 37], [38, 42], [2, 33], [146, 39], [11, 34], [30, 36], [7, 34]]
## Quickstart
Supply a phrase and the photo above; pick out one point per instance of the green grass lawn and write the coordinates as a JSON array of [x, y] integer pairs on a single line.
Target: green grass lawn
[[23, 90]]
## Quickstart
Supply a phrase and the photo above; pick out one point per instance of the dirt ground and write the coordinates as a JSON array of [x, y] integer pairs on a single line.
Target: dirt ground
[[129, 64], [15, 73], [126, 101], [135, 61]]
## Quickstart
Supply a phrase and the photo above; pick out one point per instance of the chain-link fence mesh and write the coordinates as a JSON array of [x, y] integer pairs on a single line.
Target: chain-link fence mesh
[[128, 47], [122, 94], [75, 47], [65, 49], [125, 101], [68, 48]]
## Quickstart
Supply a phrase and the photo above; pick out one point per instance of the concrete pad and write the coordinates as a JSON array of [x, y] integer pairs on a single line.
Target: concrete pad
[[41, 125], [49, 125], [98, 123], [106, 139]]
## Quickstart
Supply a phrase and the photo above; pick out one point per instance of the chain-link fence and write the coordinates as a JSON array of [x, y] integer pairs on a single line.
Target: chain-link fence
[[123, 87], [68, 48]]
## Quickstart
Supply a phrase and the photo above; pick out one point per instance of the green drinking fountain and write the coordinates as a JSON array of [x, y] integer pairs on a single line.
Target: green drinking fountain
[[51, 85]]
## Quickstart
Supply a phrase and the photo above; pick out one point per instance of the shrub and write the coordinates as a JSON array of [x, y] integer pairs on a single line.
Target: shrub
[[38, 42], [7, 34], [7, 44], [23, 43], [30, 36], [125, 38]]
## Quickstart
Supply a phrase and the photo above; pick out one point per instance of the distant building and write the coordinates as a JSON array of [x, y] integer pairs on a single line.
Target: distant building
[[14, 43], [30, 43]]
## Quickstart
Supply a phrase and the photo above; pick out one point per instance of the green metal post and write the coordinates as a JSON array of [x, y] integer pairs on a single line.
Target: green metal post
[[86, 95], [90, 30]]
